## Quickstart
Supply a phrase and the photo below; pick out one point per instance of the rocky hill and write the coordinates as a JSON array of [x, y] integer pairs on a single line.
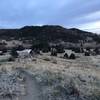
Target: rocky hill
[[48, 33]]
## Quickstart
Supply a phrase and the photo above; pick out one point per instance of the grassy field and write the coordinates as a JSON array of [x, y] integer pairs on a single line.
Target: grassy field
[[62, 79]]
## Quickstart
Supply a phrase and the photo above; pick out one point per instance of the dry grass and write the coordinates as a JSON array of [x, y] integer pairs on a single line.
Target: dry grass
[[63, 79]]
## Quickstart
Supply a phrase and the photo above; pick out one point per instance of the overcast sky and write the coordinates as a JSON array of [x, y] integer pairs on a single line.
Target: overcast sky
[[84, 14]]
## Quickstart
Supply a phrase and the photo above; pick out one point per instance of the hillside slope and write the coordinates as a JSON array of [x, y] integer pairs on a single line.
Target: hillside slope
[[48, 33]]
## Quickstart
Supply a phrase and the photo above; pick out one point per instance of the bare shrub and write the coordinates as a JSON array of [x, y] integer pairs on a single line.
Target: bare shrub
[[14, 53], [66, 56], [72, 56], [87, 54]]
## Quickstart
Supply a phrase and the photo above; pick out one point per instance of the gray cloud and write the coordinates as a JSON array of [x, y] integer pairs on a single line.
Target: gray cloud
[[69, 13]]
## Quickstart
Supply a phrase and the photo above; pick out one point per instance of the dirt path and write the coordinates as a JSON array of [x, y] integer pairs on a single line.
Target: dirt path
[[32, 89]]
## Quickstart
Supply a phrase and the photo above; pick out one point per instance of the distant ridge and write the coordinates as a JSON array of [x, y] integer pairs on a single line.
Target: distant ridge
[[48, 33]]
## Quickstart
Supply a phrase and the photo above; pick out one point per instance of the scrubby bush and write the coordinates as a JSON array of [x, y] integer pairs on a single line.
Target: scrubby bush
[[4, 50], [76, 50], [96, 50], [88, 49], [65, 55], [20, 48], [72, 56], [45, 50], [14, 53], [53, 52], [60, 49], [1, 53], [36, 51], [87, 54], [11, 59]]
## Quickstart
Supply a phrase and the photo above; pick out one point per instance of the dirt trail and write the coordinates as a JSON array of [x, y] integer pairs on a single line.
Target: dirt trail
[[32, 88]]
